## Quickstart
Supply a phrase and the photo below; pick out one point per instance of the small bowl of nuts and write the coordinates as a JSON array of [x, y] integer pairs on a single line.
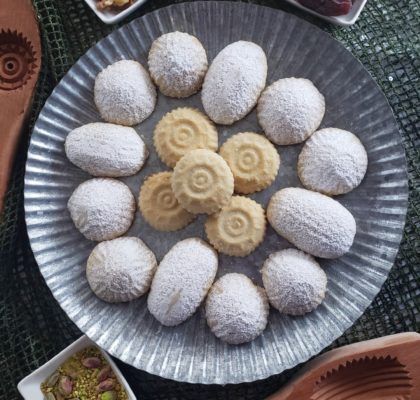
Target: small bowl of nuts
[[82, 371], [339, 12], [113, 11]]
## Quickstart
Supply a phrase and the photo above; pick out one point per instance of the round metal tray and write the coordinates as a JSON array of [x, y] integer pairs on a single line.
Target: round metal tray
[[190, 352]]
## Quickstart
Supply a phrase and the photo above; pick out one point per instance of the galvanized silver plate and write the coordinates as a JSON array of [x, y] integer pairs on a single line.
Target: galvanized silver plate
[[190, 352]]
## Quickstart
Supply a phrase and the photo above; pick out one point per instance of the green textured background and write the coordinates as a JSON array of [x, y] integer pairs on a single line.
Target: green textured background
[[33, 328]]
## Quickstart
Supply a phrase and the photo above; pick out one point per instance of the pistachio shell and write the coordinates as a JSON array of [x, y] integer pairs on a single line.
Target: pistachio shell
[[58, 396], [53, 378]]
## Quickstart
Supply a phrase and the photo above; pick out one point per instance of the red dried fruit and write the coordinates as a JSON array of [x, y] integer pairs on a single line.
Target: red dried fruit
[[331, 8]]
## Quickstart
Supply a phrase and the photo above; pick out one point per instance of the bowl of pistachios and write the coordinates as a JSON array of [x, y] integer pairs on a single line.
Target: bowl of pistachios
[[113, 11], [82, 371]]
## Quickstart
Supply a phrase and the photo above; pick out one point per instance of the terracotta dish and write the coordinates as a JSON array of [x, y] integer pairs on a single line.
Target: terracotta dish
[[378, 369]]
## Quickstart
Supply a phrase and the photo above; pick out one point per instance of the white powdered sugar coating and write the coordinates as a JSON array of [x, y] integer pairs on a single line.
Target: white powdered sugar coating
[[234, 82], [120, 269], [102, 208], [106, 150], [124, 93], [313, 222], [290, 110], [182, 280], [177, 64], [236, 309], [332, 161], [294, 282]]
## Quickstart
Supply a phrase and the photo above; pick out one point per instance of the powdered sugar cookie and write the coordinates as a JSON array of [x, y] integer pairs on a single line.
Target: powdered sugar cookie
[[182, 280], [102, 208], [236, 309], [332, 161], [106, 149], [181, 131], [202, 182], [314, 223], [238, 228], [290, 110], [120, 269], [294, 282], [177, 64], [234, 82], [253, 160], [124, 93], [159, 206]]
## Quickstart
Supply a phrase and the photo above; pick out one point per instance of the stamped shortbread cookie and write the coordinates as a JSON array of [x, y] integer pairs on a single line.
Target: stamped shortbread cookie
[[159, 206], [202, 182], [238, 228], [253, 160], [181, 131]]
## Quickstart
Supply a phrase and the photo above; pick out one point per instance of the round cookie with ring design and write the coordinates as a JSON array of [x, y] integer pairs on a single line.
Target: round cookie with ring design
[[253, 160], [202, 182], [238, 228], [182, 130], [159, 206]]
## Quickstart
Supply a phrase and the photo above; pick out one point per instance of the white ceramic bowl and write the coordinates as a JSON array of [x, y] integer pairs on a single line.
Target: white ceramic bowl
[[114, 16], [30, 387], [343, 20]]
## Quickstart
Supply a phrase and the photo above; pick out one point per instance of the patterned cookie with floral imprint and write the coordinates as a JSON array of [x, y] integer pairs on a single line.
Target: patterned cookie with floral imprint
[[159, 206], [182, 130], [202, 182], [253, 160], [238, 228]]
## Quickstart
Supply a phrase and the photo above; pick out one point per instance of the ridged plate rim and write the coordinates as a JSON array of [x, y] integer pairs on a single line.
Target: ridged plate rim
[[269, 354]]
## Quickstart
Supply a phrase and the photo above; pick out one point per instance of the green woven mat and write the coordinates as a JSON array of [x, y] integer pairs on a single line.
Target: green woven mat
[[33, 327]]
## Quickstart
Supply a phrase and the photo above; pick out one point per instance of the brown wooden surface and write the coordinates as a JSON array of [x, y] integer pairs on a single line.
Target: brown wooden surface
[[18, 26], [380, 369]]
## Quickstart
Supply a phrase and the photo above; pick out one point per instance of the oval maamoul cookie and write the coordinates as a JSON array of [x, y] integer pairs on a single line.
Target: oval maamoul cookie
[[102, 208], [234, 82], [253, 160], [159, 206], [120, 269], [202, 182], [294, 282], [236, 309], [182, 130], [182, 281], [124, 93], [238, 228], [177, 64], [107, 150], [313, 222], [290, 110], [332, 161]]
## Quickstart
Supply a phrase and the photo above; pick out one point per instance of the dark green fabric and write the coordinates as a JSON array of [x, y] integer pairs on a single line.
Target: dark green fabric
[[33, 327]]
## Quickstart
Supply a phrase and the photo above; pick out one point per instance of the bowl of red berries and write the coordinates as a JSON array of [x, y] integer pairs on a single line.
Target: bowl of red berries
[[340, 12]]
